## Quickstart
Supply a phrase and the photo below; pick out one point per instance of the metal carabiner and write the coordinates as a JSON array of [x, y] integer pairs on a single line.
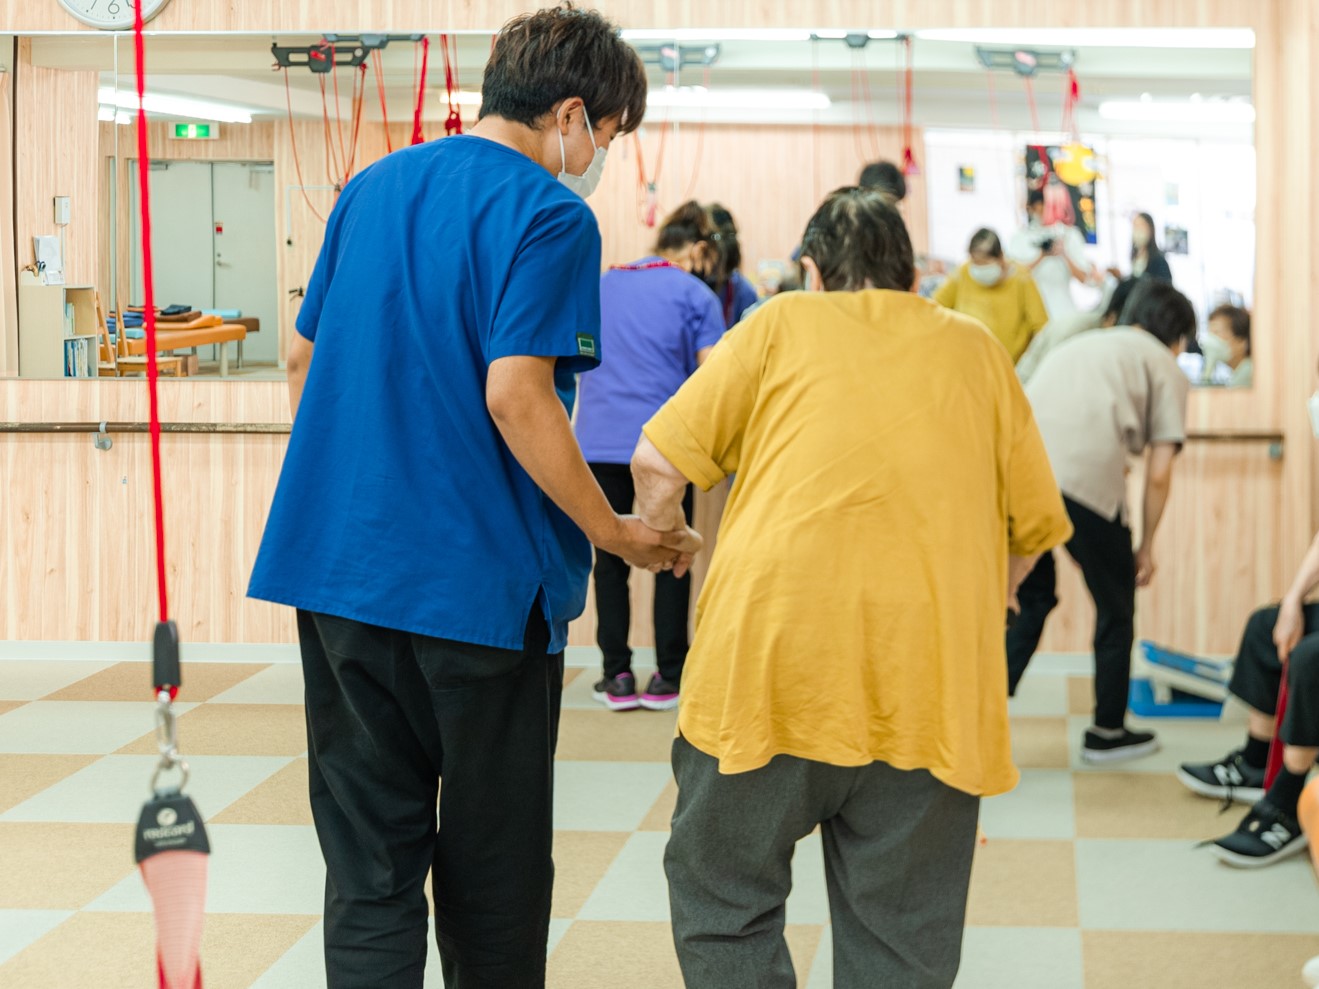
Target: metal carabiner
[[167, 741]]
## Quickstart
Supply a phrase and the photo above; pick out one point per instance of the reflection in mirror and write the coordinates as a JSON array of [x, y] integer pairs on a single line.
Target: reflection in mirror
[[1092, 157]]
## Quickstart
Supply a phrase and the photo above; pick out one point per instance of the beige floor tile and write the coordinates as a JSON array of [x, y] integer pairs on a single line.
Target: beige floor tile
[[571, 674], [1167, 960], [661, 815], [116, 951], [609, 954], [7, 706], [1144, 805], [27, 775], [581, 859], [613, 736], [129, 682], [1080, 695], [1040, 743], [282, 799], [61, 866], [235, 729], [1023, 884]]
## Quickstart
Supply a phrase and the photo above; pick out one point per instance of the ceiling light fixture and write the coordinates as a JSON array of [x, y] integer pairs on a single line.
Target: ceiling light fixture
[[1212, 38], [175, 106], [1203, 111]]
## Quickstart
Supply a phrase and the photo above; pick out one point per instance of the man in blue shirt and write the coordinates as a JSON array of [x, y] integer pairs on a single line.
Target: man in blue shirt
[[432, 520]]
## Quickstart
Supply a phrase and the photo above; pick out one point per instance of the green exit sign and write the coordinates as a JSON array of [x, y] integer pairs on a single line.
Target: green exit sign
[[196, 132]]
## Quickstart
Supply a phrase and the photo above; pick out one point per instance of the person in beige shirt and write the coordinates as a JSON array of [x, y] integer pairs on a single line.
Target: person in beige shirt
[[1099, 398]]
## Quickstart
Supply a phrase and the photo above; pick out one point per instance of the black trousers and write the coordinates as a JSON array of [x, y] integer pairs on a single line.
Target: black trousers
[[613, 604], [1102, 547], [388, 714], [1258, 675]]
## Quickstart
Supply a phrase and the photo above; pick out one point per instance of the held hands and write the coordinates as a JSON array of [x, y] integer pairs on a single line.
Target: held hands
[[642, 546], [1145, 566], [1289, 628]]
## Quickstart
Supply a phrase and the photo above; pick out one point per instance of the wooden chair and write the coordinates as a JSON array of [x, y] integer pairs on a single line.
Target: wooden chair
[[126, 363]]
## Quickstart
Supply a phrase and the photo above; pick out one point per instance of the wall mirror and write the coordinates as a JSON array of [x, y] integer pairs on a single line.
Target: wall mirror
[[1110, 131]]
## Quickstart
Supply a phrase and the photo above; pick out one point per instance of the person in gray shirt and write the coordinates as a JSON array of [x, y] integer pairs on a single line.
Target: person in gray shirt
[[1099, 398]]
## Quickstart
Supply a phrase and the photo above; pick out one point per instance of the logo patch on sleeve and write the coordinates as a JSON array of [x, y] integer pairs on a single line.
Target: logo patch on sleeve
[[585, 345]]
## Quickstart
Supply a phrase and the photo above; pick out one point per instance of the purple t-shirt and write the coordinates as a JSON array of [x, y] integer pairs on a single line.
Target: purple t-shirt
[[652, 323]]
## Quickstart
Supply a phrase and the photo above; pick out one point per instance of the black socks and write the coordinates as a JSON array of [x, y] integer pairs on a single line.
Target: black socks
[[1256, 752], [1285, 793]]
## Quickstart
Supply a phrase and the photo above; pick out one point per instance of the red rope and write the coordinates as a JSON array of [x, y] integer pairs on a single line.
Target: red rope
[[359, 101], [417, 136], [815, 119], [338, 114], [332, 166], [1071, 98], [149, 314], [453, 124], [1276, 745], [1034, 107], [376, 62], [909, 166], [700, 140], [297, 162]]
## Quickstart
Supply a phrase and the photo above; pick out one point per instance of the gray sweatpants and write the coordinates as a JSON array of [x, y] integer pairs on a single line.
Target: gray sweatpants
[[897, 850]]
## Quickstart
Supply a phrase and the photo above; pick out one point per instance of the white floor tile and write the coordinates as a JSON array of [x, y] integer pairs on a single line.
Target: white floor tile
[[1174, 886], [1180, 739], [1041, 807], [821, 975], [1021, 958], [20, 928], [301, 967], [606, 796], [635, 887], [809, 901], [1039, 695], [113, 789], [29, 679], [558, 928], [279, 684], [254, 869], [77, 727]]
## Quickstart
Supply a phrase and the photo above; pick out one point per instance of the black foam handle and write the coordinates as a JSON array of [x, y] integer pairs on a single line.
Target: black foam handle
[[165, 656]]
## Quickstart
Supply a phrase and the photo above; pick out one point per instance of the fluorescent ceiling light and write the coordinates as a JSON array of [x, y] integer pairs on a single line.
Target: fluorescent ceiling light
[[698, 97], [1099, 37], [176, 106], [1179, 111], [718, 34]]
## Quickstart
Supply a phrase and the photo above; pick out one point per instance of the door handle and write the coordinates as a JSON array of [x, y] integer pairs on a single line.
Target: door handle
[[222, 263]]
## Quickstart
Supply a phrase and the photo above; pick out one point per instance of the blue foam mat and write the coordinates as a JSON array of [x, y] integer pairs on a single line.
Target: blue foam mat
[[1183, 705]]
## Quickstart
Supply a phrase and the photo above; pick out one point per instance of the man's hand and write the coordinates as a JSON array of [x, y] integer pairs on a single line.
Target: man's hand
[[1145, 566], [1289, 628], [642, 546]]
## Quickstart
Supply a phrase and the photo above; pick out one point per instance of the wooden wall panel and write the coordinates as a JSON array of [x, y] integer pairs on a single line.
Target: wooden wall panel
[[55, 132], [8, 283]]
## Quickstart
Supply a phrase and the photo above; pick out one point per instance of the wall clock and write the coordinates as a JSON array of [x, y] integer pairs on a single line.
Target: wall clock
[[111, 15]]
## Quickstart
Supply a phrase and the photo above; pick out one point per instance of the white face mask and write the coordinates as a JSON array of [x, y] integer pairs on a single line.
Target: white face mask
[[1216, 349], [586, 183], [987, 275], [1140, 239], [1314, 413]]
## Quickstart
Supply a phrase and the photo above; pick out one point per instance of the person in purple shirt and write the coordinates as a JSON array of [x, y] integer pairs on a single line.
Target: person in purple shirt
[[734, 289], [658, 324]]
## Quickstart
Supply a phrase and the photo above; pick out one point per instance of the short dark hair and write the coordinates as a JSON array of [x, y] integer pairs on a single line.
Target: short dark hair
[[988, 241], [856, 237], [1160, 309], [551, 55], [690, 223], [1238, 320], [886, 177], [1119, 300]]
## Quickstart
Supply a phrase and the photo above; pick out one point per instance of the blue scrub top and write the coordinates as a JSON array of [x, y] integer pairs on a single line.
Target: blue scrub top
[[399, 503]]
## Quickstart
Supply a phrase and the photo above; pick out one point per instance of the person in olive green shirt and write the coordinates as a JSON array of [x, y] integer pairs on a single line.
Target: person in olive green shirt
[[989, 288]]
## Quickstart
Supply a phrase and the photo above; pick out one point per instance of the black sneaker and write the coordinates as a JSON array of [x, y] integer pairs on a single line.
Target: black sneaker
[[618, 693], [1128, 745], [1229, 779], [660, 695], [1265, 836]]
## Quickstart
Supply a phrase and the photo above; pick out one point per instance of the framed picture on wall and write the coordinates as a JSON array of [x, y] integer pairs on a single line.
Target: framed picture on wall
[[1066, 175]]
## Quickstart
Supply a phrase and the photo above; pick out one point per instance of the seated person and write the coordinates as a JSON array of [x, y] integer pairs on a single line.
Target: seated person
[[1276, 638], [1226, 348], [997, 293]]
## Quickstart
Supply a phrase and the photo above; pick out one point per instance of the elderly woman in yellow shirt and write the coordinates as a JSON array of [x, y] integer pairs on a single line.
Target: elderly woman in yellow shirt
[[848, 668], [990, 289]]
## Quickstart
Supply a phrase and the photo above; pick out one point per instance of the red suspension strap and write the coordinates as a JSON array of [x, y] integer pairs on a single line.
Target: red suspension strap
[[378, 64], [453, 124], [700, 140], [1034, 106], [297, 161], [1071, 99], [909, 166], [418, 137]]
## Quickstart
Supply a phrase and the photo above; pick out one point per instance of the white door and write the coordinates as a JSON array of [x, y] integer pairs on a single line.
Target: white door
[[181, 236], [243, 224]]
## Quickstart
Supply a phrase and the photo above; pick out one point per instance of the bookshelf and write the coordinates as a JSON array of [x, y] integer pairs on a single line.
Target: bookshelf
[[57, 332]]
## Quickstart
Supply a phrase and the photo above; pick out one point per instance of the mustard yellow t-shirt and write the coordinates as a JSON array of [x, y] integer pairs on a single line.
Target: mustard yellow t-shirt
[[886, 460], [1012, 309]]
